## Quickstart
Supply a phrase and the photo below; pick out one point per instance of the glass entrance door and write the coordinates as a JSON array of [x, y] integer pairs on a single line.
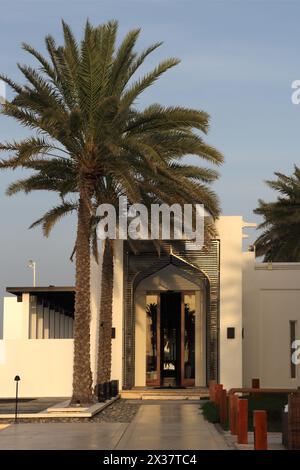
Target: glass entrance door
[[170, 303], [152, 340], [188, 336]]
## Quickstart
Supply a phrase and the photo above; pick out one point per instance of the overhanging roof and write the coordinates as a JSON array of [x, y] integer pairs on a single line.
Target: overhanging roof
[[62, 296], [33, 290]]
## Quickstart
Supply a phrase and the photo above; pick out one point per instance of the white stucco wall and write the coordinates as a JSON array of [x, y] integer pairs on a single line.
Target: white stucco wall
[[44, 365], [13, 318], [271, 300], [230, 350], [96, 269], [117, 320], [16, 317]]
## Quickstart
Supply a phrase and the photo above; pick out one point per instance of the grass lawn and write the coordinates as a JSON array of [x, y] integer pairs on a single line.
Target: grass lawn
[[272, 403]]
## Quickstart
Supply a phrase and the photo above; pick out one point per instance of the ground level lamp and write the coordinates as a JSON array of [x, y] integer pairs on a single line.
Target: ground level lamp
[[17, 380]]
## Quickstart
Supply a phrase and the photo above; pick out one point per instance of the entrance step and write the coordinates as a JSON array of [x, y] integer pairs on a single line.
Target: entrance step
[[165, 394]]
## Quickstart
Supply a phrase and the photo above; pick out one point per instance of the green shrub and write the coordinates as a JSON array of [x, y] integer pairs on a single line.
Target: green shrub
[[273, 404], [211, 412]]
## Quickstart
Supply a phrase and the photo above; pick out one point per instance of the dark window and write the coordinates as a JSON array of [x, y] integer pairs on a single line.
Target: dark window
[[231, 333]]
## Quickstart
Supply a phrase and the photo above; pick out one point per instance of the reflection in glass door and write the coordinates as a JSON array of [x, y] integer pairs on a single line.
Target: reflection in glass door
[[188, 326], [152, 340], [170, 339]]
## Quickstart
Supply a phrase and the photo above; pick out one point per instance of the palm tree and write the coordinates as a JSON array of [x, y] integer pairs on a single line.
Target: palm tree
[[80, 104], [280, 238]]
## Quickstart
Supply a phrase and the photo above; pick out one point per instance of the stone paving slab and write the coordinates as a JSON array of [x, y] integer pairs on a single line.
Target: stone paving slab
[[171, 426], [61, 436], [29, 405], [274, 441], [62, 410]]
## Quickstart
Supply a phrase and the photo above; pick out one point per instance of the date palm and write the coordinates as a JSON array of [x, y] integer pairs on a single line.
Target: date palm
[[80, 104], [280, 238]]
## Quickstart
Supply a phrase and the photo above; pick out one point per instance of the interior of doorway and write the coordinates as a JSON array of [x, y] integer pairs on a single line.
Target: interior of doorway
[[170, 303], [170, 339]]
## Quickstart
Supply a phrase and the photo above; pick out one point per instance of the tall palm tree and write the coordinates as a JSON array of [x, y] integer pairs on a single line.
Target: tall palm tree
[[80, 104], [280, 240]]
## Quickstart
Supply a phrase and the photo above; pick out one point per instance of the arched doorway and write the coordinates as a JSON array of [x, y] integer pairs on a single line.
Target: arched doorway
[[170, 328]]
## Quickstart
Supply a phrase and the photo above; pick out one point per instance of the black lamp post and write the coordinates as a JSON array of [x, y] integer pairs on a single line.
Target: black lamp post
[[17, 380]]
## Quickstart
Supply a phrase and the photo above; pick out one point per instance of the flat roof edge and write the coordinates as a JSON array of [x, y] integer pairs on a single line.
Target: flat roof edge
[[25, 289]]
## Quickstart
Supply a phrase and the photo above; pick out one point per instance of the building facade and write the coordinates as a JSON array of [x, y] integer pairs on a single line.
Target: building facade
[[180, 318]]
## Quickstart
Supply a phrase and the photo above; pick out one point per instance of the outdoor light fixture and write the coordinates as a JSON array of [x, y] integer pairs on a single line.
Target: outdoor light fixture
[[32, 265], [17, 380], [2, 92]]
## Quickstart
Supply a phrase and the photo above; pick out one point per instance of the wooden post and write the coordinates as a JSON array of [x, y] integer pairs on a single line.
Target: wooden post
[[293, 421], [212, 390], [242, 428], [218, 391], [223, 407], [233, 404], [260, 430]]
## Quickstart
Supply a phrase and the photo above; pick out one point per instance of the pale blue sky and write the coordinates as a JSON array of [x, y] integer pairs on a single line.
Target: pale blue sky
[[238, 61]]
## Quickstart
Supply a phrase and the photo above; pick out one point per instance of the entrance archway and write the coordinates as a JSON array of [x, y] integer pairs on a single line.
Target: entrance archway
[[170, 328]]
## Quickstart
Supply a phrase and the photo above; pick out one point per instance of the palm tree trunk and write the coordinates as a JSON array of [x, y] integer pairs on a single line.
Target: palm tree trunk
[[82, 375], [105, 319]]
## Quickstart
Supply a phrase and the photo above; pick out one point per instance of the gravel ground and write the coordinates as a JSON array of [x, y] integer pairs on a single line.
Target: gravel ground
[[121, 411]]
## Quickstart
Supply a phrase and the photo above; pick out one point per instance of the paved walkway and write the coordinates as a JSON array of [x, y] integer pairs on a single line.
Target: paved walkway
[[171, 426], [163, 425]]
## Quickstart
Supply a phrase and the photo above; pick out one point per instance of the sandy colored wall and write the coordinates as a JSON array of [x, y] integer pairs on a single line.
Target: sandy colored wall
[[117, 342], [230, 350], [95, 311], [271, 300], [13, 318], [45, 367]]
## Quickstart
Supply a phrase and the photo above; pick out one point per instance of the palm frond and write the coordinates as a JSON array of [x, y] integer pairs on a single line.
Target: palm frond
[[50, 218]]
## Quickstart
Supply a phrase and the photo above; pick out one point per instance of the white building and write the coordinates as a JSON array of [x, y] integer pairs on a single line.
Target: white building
[[180, 318]]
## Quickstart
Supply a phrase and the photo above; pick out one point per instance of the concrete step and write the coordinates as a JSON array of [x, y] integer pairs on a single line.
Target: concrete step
[[165, 394]]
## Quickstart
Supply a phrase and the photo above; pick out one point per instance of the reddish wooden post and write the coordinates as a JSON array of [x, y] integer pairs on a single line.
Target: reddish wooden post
[[218, 391], [223, 407], [260, 430], [212, 390], [233, 405], [255, 383], [242, 428]]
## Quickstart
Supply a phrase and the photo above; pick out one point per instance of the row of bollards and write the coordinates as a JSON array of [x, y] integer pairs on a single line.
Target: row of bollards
[[107, 390], [236, 409]]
